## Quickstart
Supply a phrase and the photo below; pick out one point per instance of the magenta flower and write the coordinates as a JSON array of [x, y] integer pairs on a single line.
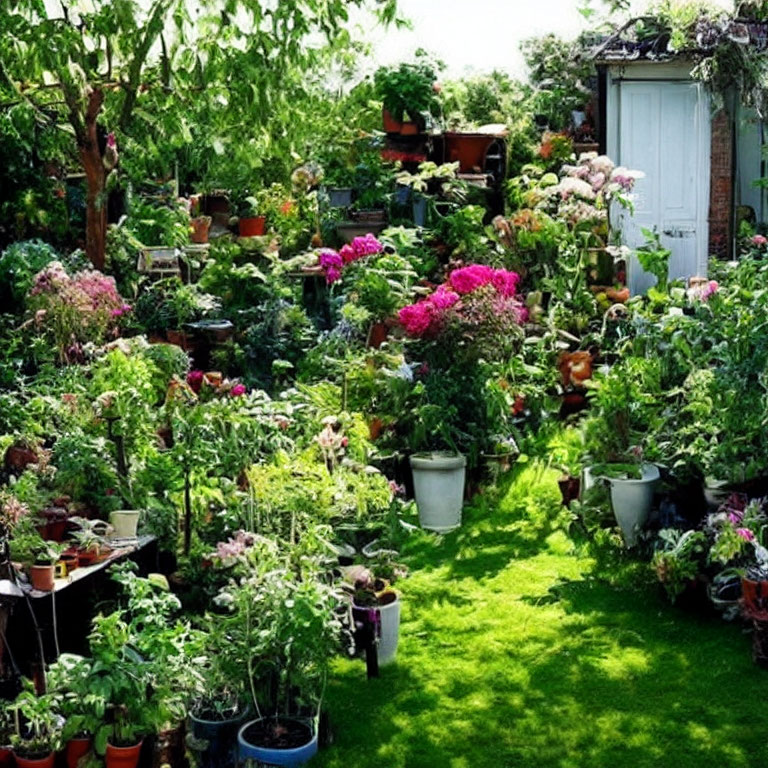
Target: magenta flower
[[195, 380], [759, 240], [745, 534], [468, 279], [443, 298], [366, 246], [417, 319], [506, 282], [347, 254], [238, 390]]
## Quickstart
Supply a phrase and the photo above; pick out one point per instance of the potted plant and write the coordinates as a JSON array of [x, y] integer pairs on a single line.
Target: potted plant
[[251, 220], [37, 728], [42, 572], [625, 409], [198, 223], [679, 560], [90, 547], [408, 94], [287, 646], [375, 604], [6, 732], [431, 179], [438, 481], [83, 709]]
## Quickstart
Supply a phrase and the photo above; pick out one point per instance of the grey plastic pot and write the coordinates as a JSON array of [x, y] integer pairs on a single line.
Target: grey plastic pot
[[438, 480], [632, 500]]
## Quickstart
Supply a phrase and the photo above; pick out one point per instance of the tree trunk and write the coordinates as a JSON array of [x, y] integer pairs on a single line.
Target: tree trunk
[[95, 176]]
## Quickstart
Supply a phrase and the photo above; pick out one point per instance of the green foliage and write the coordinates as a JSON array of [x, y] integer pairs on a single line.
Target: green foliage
[[679, 560], [654, 258], [407, 89], [19, 264]]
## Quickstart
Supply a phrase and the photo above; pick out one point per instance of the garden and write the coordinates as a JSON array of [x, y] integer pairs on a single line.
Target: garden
[[330, 431]]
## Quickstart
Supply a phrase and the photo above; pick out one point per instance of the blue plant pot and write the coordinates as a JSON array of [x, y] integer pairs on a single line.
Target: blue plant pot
[[420, 211], [280, 757], [221, 736], [402, 194]]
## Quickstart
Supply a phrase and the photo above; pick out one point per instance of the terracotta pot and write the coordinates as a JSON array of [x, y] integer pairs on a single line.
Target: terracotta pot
[[6, 757], [468, 149], [76, 748], [410, 129], [252, 226], [200, 227], [43, 762], [70, 561], [391, 125], [123, 757], [42, 577], [377, 335]]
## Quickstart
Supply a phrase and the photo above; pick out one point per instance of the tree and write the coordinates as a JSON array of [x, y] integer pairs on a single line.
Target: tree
[[88, 66]]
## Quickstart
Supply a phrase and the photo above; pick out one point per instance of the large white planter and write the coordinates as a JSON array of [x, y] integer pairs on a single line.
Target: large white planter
[[632, 499], [438, 480], [125, 522]]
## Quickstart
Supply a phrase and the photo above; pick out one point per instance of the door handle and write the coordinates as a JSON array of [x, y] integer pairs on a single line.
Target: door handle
[[679, 232]]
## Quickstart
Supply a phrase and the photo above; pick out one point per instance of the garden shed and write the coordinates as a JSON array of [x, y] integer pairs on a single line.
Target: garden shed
[[701, 158]]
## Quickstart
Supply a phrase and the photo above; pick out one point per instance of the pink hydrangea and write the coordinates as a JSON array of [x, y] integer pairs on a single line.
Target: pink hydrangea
[[443, 298], [468, 279], [417, 319], [506, 282]]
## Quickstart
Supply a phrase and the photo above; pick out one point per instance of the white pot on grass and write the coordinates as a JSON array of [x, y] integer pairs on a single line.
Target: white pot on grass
[[632, 499], [125, 523], [438, 480]]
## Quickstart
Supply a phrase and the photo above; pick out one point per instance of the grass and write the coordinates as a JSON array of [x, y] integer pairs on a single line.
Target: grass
[[513, 653]]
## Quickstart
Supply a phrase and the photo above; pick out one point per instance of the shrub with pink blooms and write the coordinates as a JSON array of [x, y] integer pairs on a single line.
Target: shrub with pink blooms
[[476, 313], [333, 262], [75, 310]]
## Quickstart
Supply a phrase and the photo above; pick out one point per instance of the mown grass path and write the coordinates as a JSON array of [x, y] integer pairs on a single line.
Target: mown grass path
[[512, 654]]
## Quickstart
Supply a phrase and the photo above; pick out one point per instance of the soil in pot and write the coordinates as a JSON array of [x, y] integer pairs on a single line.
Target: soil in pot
[[278, 734]]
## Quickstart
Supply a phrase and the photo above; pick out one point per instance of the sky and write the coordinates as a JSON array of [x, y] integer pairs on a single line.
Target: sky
[[480, 35]]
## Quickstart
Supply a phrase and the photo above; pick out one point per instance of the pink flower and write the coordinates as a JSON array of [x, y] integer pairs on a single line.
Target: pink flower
[[711, 289], [759, 240], [366, 246], [443, 298], [195, 380], [745, 534], [238, 390], [331, 262], [417, 318], [506, 282], [347, 254], [468, 279]]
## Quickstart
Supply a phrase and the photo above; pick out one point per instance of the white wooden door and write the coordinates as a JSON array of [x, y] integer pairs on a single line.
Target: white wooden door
[[664, 131]]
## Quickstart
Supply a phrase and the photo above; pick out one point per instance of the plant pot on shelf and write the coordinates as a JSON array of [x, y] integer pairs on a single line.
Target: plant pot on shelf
[[410, 128], [56, 520], [122, 757], [200, 226], [6, 757], [46, 761], [252, 226], [71, 561], [254, 733], [76, 749], [439, 480], [631, 499], [42, 577], [125, 522], [375, 216], [221, 739], [389, 122], [386, 618]]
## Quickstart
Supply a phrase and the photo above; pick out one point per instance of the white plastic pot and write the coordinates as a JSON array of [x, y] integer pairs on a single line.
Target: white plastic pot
[[389, 628], [632, 500], [125, 522], [438, 480]]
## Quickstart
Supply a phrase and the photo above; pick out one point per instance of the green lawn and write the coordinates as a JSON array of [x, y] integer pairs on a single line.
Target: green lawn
[[512, 653]]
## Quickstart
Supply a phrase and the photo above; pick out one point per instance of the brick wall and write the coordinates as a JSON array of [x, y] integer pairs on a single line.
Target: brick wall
[[721, 186]]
